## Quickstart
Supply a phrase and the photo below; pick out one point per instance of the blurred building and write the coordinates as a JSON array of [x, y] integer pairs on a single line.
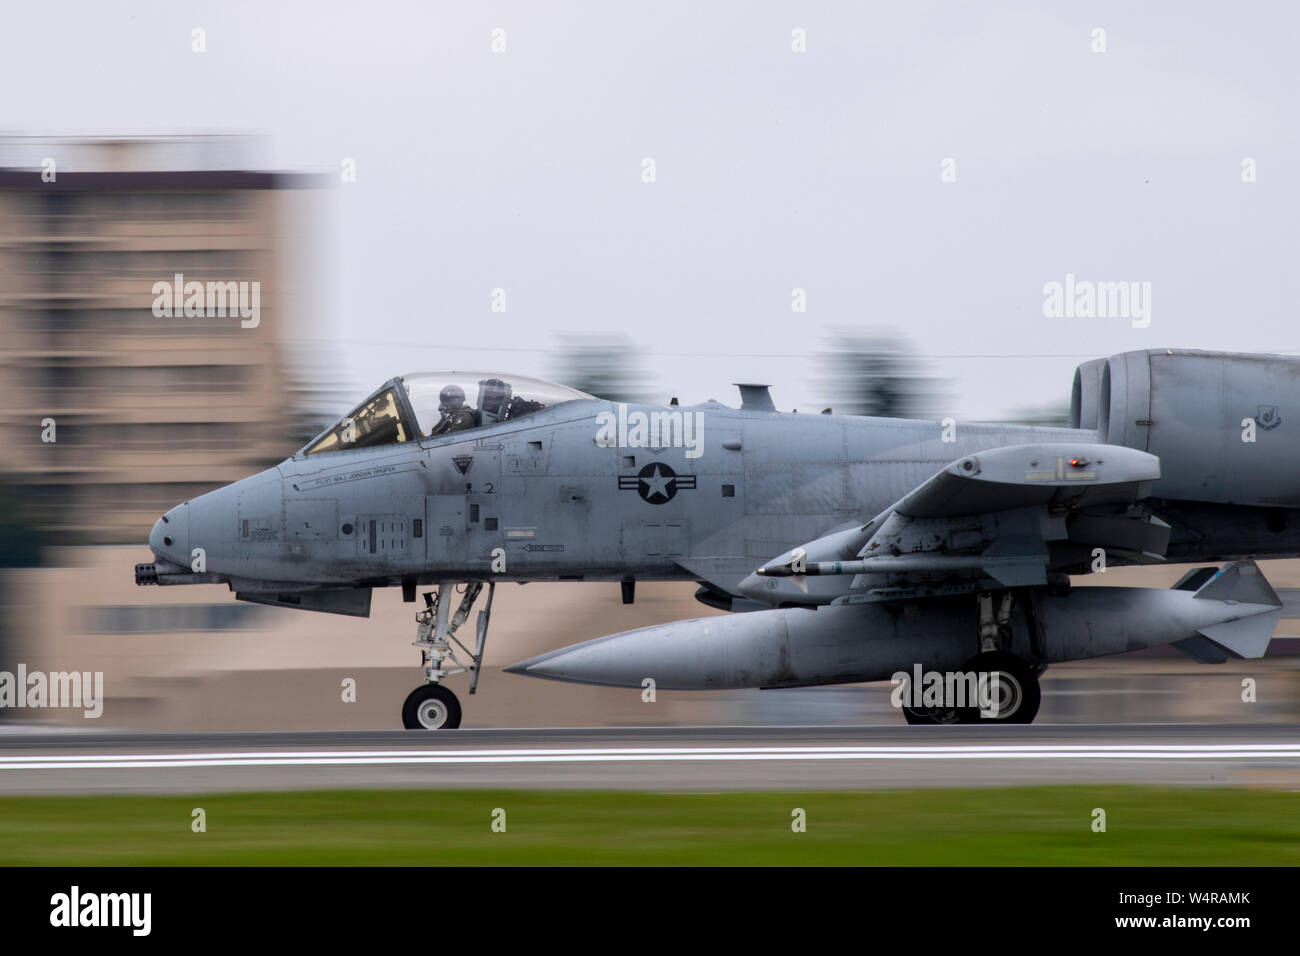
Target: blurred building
[[147, 410]]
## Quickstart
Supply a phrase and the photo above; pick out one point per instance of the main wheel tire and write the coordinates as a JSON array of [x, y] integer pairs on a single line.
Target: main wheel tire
[[1016, 689], [431, 707], [931, 715]]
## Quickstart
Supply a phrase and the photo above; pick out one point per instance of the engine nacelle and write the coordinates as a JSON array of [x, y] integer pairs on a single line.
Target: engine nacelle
[[1224, 425]]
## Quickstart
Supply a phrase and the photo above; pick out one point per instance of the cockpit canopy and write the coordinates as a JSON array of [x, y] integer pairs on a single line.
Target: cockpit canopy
[[431, 404]]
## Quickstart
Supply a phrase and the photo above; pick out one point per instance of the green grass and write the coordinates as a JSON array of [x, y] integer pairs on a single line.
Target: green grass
[[1043, 826]]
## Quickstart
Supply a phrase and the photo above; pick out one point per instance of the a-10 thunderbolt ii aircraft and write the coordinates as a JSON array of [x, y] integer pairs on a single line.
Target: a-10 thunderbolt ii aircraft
[[851, 548]]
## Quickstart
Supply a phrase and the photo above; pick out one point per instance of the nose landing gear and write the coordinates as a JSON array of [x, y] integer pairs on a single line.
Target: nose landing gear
[[433, 706]]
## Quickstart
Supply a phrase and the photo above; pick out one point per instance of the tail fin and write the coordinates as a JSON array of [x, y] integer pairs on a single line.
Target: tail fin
[[1241, 583]]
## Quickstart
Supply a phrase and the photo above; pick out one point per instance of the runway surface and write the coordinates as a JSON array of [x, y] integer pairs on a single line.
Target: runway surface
[[668, 759]]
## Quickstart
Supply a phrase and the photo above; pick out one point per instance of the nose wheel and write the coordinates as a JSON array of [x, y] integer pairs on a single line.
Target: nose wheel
[[431, 707]]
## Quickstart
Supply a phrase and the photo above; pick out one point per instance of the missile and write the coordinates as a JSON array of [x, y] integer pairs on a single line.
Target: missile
[[1233, 614], [901, 564]]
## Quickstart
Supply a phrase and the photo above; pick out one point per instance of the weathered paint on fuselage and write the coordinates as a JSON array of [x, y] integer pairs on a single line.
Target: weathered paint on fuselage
[[541, 493]]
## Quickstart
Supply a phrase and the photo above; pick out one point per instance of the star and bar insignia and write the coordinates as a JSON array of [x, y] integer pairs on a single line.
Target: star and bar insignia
[[656, 483]]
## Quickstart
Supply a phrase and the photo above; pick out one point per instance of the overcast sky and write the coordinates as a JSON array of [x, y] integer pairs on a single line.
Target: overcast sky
[[774, 170]]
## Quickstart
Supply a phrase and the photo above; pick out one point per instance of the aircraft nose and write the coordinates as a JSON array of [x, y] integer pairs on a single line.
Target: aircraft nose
[[170, 538]]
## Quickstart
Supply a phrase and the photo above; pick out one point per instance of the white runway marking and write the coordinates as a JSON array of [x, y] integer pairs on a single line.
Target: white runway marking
[[308, 758]]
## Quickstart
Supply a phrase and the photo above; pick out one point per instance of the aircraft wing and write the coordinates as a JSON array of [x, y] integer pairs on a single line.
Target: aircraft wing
[[1000, 514], [1019, 476]]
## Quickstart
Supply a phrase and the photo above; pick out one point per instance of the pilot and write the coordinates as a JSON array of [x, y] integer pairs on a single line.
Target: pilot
[[494, 400], [455, 416]]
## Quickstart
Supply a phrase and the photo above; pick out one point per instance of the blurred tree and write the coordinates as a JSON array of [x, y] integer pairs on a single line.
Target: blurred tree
[[313, 407], [319, 391], [875, 372], [607, 366], [20, 542]]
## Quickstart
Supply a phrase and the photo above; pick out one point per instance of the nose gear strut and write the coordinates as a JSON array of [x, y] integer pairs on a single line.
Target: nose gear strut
[[433, 706]]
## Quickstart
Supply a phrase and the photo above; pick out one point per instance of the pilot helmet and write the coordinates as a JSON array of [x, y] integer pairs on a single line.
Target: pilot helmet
[[494, 396], [451, 398]]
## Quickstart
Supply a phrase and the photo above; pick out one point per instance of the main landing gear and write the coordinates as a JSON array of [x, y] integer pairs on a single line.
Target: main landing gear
[[1010, 682], [433, 706]]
